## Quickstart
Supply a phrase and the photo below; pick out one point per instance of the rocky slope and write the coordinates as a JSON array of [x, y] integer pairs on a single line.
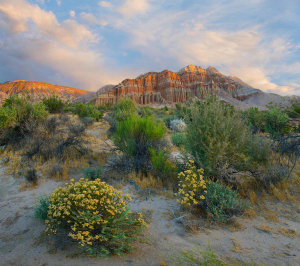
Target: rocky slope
[[38, 90], [168, 87]]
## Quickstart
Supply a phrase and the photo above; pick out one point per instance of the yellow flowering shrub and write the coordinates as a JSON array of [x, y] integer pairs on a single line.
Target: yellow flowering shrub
[[96, 216], [191, 186]]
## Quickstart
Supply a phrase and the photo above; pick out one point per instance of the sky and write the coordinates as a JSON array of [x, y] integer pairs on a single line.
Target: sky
[[87, 44]]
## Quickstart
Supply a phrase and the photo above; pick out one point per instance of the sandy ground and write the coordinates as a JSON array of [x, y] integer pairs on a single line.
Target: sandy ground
[[22, 241]]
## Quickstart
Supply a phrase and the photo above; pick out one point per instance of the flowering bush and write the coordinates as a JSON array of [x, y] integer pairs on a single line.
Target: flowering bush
[[191, 187], [218, 201], [96, 216], [178, 125]]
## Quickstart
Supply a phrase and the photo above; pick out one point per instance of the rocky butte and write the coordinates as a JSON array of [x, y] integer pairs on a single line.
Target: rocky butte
[[168, 87], [38, 90]]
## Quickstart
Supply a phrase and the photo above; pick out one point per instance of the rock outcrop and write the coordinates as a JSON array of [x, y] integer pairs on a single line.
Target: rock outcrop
[[168, 87], [39, 90]]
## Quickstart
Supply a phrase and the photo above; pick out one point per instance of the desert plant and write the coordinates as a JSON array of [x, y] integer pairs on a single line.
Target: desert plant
[[135, 136], [87, 110], [95, 215], [92, 173], [54, 104], [197, 257], [162, 167], [191, 186], [178, 139], [31, 175], [216, 135], [221, 203], [41, 210], [124, 108], [178, 125]]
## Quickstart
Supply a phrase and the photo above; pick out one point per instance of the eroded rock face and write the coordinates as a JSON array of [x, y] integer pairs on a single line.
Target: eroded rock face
[[169, 87], [39, 90]]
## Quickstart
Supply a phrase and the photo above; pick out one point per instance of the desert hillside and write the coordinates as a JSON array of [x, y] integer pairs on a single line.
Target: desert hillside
[[39, 90]]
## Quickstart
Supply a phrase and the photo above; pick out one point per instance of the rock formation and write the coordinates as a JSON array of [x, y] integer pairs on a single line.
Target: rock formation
[[38, 90], [168, 87]]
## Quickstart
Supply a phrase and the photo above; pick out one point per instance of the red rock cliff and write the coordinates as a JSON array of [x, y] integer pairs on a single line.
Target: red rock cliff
[[170, 87]]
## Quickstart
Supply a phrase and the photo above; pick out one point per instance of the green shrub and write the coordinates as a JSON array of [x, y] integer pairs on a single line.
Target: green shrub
[[256, 118], [135, 136], [87, 110], [54, 104], [124, 108], [221, 203], [216, 135], [162, 166], [96, 216], [92, 173], [41, 211], [19, 117], [277, 123], [197, 257], [178, 139]]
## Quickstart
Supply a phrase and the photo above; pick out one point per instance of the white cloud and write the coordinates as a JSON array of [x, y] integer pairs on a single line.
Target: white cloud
[[58, 2], [33, 39], [72, 13], [133, 7], [91, 19], [105, 4]]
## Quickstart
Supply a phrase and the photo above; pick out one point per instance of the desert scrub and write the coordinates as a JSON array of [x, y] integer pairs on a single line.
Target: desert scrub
[[96, 216], [92, 173], [135, 136], [178, 125], [41, 211], [222, 203], [54, 104], [124, 108], [178, 139], [218, 201], [191, 186]]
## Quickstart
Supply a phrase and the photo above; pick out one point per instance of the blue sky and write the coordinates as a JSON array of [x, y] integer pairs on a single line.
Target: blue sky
[[87, 44]]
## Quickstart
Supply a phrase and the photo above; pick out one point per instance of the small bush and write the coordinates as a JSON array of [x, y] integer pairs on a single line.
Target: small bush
[[197, 257], [178, 125], [222, 203], [135, 136], [162, 166], [277, 123], [54, 104], [178, 139], [219, 202], [19, 117], [87, 110], [124, 108], [191, 186], [95, 215], [31, 175], [41, 211], [92, 173]]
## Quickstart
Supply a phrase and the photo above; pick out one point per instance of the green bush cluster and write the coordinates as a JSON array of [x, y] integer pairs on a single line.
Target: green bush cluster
[[54, 104], [93, 173], [19, 117], [273, 121], [136, 136], [217, 136], [178, 139], [124, 108], [87, 110], [221, 203]]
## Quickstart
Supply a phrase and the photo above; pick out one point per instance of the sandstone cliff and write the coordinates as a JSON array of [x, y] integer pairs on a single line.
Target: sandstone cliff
[[39, 90], [168, 87]]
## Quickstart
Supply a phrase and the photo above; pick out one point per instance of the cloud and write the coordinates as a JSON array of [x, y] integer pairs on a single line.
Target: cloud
[[91, 19], [34, 41], [133, 7], [58, 2], [105, 4], [72, 13]]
